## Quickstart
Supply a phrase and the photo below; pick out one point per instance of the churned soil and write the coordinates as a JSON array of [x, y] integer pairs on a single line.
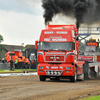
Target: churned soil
[[30, 88]]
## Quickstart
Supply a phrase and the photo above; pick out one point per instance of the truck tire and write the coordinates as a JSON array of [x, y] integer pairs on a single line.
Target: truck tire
[[42, 78], [74, 78]]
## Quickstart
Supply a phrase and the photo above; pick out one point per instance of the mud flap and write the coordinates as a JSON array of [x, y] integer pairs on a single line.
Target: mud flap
[[87, 71], [81, 77]]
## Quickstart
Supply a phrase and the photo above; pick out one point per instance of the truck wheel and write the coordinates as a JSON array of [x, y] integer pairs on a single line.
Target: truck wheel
[[74, 78], [42, 78]]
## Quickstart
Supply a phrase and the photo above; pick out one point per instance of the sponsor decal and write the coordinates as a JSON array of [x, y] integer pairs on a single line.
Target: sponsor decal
[[54, 58], [61, 32], [55, 39], [62, 39], [73, 33], [48, 32], [92, 44], [86, 58], [57, 32], [46, 39]]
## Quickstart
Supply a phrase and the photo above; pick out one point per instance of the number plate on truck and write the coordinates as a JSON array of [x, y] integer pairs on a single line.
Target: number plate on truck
[[53, 72]]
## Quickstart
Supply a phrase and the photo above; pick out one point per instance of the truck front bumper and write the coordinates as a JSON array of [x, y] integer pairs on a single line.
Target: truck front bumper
[[56, 69]]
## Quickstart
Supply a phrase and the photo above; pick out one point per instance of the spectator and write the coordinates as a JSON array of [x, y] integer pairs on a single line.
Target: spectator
[[20, 64], [35, 64], [32, 64], [16, 63], [3, 60], [11, 64], [26, 63]]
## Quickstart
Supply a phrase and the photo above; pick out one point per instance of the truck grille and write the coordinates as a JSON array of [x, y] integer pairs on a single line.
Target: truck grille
[[54, 58], [54, 72]]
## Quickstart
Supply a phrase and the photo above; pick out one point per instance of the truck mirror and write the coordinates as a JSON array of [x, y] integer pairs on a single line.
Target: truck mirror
[[36, 45], [77, 39]]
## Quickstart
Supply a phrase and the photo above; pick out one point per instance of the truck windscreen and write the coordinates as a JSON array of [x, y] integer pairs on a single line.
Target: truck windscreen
[[55, 46]]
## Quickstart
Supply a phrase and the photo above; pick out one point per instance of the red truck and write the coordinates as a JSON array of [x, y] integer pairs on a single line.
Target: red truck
[[58, 49]]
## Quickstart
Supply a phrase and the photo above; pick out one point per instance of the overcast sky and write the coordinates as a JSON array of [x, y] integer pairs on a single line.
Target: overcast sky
[[21, 21]]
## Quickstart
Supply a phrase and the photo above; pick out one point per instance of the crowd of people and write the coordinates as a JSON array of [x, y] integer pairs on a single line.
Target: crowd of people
[[20, 64]]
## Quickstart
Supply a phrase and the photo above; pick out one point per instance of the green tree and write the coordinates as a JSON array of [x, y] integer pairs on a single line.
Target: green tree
[[1, 47], [1, 38]]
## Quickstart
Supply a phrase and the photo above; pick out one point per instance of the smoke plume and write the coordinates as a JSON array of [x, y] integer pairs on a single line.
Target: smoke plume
[[85, 11]]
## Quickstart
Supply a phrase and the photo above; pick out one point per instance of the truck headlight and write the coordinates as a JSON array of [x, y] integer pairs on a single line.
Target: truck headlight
[[67, 67], [41, 67]]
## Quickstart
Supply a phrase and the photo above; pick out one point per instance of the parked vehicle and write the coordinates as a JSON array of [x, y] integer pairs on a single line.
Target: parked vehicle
[[18, 55]]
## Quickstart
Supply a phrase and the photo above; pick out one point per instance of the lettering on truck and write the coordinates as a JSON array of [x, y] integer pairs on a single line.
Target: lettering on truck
[[63, 39], [57, 32], [55, 39], [61, 32], [46, 39], [48, 32]]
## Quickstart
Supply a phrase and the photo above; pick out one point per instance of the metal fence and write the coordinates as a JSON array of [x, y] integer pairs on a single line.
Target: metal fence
[[4, 66]]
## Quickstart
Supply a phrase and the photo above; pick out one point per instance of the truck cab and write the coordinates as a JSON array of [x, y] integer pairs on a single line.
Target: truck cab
[[58, 52]]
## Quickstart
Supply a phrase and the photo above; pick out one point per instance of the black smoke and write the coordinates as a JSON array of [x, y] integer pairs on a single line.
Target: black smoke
[[85, 11]]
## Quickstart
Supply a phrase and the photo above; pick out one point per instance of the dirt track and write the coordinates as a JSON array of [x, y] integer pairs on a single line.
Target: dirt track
[[30, 88]]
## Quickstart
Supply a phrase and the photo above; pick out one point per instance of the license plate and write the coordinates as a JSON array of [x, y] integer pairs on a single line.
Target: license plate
[[54, 67]]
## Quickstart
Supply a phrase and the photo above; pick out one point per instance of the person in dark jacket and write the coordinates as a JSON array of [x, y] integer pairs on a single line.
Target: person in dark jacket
[[3, 60], [11, 64], [20, 63], [33, 65], [36, 63]]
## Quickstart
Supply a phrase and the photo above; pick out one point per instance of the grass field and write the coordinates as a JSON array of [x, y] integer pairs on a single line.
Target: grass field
[[92, 98], [17, 70]]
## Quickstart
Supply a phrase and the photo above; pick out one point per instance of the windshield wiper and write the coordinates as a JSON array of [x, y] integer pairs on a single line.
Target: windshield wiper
[[52, 49], [63, 50], [44, 50]]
